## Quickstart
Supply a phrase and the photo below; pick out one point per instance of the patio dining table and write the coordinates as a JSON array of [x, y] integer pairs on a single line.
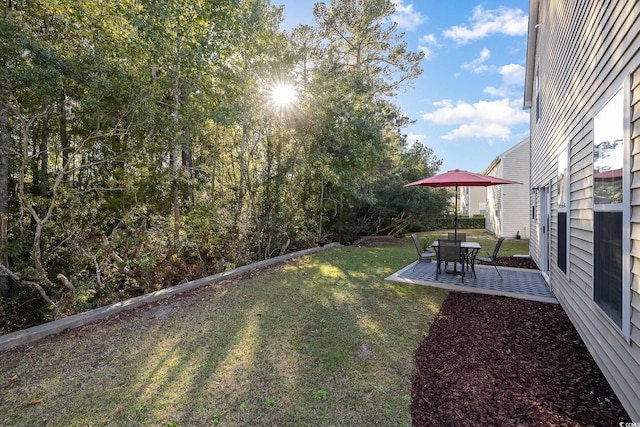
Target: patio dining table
[[470, 248]]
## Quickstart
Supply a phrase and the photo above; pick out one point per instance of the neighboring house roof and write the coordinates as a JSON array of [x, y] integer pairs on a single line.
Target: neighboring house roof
[[614, 173], [500, 157]]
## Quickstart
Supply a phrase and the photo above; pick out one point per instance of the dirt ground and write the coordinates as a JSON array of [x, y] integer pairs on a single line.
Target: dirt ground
[[500, 361], [517, 262]]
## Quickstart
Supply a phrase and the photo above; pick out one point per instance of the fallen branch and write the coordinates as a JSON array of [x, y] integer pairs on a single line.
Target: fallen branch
[[117, 259], [95, 263], [26, 282], [63, 279], [120, 263]]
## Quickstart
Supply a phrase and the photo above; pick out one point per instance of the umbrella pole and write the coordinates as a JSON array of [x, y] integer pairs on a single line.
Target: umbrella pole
[[455, 217], [455, 230]]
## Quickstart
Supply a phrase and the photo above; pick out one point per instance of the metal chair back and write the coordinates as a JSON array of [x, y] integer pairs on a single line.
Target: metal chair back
[[450, 251], [461, 236], [423, 256], [494, 256]]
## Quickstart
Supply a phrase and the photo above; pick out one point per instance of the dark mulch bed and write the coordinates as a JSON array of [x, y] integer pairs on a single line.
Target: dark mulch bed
[[518, 262], [497, 361]]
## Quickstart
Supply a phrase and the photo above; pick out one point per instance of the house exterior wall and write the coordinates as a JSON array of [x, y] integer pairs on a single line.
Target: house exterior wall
[[508, 205], [474, 200], [493, 222], [580, 54]]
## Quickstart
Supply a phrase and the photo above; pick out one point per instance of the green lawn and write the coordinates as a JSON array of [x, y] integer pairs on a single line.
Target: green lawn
[[323, 340], [488, 241]]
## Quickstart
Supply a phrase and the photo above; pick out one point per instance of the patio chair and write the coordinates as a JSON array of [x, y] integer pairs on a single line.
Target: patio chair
[[490, 260], [450, 251], [463, 238], [423, 256]]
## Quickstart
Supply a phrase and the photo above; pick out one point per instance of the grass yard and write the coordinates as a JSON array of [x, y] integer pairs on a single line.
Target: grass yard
[[487, 241], [322, 340]]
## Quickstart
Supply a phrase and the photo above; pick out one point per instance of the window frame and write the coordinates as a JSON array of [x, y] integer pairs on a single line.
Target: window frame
[[624, 207], [564, 159]]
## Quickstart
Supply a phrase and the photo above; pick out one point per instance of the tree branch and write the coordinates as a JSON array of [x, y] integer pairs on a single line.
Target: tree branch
[[119, 262], [95, 263], [16, 278]]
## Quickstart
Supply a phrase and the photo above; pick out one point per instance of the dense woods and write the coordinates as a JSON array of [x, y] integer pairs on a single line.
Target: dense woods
[[144, 142]]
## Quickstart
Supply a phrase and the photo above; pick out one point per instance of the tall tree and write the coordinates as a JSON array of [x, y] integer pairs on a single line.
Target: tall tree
[[5, 139], [362, 36], [364, 61], [187, 41], [136, 131]]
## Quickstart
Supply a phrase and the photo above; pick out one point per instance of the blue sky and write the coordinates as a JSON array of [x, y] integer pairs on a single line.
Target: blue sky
[[468, 102]]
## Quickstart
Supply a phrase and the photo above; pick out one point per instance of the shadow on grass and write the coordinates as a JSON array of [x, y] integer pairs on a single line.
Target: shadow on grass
[[322, 340]]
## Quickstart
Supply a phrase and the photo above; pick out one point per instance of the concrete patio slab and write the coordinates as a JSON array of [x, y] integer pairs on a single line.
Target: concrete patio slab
[[515, 282]]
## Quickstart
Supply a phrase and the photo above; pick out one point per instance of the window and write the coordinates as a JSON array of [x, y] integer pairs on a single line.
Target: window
[[607, 268], [608, 172], [608, 152], [563, 201]]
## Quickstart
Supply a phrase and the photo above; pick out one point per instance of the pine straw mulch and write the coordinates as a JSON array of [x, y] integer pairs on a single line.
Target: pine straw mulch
[[501, 361]]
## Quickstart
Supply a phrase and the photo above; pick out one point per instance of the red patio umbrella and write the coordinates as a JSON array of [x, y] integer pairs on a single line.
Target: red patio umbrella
[[462, 178]]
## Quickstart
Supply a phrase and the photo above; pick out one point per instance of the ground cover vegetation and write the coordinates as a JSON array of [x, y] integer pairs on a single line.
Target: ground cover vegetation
[[498, 361], [142, 143], [493, 360], [322, 340], [509, 248]]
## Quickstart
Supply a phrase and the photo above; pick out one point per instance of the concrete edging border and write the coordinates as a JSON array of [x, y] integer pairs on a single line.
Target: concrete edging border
[[29, 335]]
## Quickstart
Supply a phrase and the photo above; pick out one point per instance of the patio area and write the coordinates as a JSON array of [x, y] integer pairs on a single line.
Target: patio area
[[516, 282]]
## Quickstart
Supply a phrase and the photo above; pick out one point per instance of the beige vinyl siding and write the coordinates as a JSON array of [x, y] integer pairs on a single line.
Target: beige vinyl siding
[[508, 207], [581, 211], [587, 51], [471, 200], [635, 206], [494, 204], [515, 197]]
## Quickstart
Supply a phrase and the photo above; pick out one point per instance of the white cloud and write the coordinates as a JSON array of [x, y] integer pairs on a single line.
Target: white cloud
[[512, 75], [483, 119], [407, 18], [426, 45], [413, 137], [497, 92], [504, 20], [428, 53], [477, 65], [429, 39]]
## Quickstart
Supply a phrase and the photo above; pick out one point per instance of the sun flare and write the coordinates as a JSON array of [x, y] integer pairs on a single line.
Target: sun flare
[[282, 95]]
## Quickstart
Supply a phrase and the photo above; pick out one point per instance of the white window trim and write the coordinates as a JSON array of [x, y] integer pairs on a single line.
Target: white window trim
[[626, 214], [567, 209], [625, 208]]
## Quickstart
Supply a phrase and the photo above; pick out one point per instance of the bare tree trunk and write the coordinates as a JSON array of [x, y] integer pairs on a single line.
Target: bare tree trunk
[[5, 145], [64, 136], [43, 172], [321, 211], [26, 122], [214, 170], [242, 175], [187, 167], [175, 164], [176, 196]]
